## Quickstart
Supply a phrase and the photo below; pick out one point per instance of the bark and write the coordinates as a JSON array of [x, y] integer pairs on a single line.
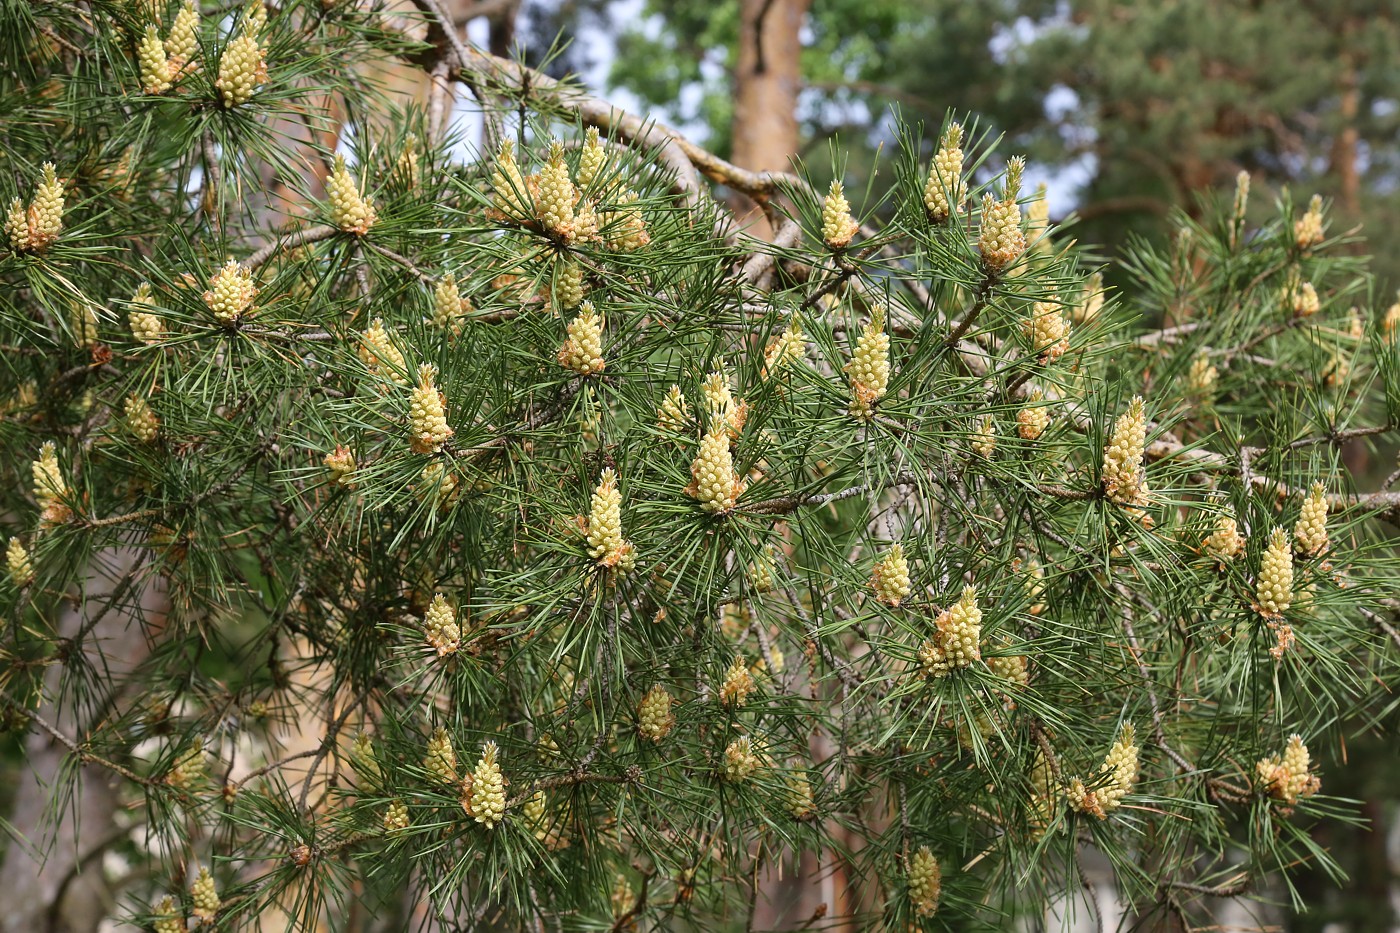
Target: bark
[[767, 79], [502, 25], [1345, 143]]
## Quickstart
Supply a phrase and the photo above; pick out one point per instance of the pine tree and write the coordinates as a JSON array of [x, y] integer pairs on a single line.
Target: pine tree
[[686, 615]]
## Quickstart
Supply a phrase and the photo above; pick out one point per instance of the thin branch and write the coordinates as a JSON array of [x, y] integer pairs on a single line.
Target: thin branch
[[632, 775], [1159, 732], [328, 743], [1383, 625], [981, 297], [755, 270], [624, 921], [237, 785], [845, 269], [1232, 889], [1089, 887], [294, 241], [401, 260], [1338, 438], [79, 750], [213, 186], [849, 680], [780, 505]]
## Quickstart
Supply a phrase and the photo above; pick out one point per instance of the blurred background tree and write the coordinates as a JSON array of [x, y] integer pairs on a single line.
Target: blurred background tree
[[1133, 107]]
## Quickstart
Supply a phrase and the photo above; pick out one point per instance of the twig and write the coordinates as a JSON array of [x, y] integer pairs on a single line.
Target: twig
[[217, 489], [213, 187], [1233, 889], [440, 104], [622, 922], [401, 260], [56, 900], [238, 784], [753, 889], [1167, 334], [1383, 625], [845, 269], [535, 421], [849, 680], [295, 241], [83, 755], [980, 299], [1089, 887], [327, 744], [756, 268], [779, 505], [1341, 437], [1135, 648], [631, 776]]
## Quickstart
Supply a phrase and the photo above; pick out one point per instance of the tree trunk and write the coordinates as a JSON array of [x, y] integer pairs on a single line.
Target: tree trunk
[[766, 81], [1344, 144], [502, 25]]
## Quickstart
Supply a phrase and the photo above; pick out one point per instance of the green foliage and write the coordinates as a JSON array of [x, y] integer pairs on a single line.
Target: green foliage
[[202, 596], [1140, 105]]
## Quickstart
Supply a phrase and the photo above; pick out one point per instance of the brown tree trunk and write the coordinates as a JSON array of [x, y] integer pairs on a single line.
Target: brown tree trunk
[[502, 25], [1344, 144], [766, 81]]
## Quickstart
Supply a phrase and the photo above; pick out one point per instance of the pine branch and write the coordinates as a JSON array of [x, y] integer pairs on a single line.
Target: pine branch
[[79, 750]]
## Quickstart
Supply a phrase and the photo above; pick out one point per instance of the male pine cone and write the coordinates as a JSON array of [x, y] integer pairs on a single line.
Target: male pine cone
[[869, 368], [36, 229], [427, 414], [441, 759], [378, 353], [740, 761], [557, 195], [449, 307], [957, 639], [242, 70], [1225, 542], [654, 717], [231, 293], [1118, 774], [1274, 590], [738, 684], [1124, 478], [140, 420], [606, 545], [1311, 530], [945, 192], [1289, 778], [351, 211], [155, 66], [925, 882], [204, 895], [486, 801], [18, 564], [890, 579], [583, 350], [714, 483], [1001, 240], [440, 627], [838, 226]]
